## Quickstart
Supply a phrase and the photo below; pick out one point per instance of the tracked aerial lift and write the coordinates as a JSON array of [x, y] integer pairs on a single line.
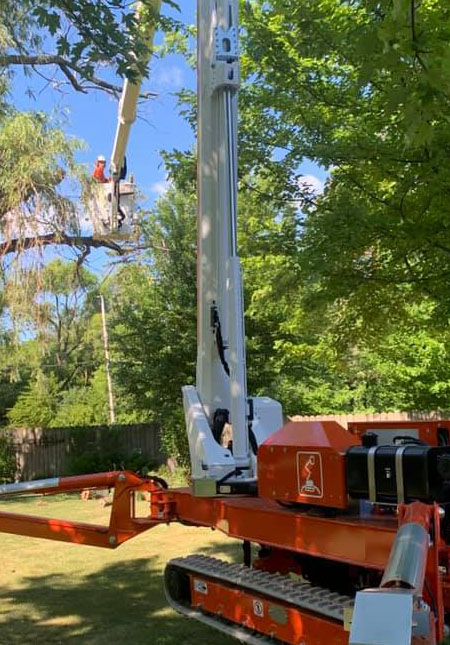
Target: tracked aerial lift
[[352, 525]]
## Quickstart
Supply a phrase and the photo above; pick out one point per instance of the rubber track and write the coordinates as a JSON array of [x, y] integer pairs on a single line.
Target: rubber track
[[302, 595]]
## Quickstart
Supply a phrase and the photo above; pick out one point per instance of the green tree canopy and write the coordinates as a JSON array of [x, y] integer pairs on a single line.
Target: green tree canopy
[[34, 158], [363, 89], [346, 295], [154, 319]]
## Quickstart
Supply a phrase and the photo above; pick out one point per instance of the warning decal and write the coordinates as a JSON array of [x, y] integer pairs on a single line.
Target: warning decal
[[310, 475]]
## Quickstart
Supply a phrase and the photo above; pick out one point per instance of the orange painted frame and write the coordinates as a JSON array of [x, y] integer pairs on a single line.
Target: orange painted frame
[[364, 542], [299, 627], [279, 463], [344, 538]]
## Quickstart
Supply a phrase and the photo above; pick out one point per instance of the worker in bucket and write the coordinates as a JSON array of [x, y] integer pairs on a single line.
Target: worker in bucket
[[99, 171]]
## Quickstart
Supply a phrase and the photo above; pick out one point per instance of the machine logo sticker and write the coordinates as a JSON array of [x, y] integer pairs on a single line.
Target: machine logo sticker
[[310, 474]]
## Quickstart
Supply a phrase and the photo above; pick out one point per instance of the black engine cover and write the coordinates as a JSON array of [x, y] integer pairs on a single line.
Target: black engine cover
[[426, 473]]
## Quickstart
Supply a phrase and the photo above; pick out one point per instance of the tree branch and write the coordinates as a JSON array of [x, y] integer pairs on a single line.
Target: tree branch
[[72, 79], [414, 34], [81, 241], [67, 67]]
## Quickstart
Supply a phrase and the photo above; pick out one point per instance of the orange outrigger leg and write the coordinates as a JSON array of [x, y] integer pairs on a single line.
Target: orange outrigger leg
[[123, 523]]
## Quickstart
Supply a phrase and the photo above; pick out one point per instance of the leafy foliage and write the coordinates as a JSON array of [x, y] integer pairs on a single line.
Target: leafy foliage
[[78, 37], [105, 454], [34, 159], [153, 327], [361, 88], [7, 458], [57, 308], [36, 406]]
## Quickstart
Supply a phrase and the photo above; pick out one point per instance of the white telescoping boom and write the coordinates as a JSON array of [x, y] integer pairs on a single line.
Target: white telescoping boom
[[128, 105], [114, 202], [220, 395]]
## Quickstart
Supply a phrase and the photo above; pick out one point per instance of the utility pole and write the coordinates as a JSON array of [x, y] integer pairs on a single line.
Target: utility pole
[[112, 414]]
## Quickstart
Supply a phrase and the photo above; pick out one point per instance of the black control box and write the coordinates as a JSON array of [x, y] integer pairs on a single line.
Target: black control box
[[393, 474]]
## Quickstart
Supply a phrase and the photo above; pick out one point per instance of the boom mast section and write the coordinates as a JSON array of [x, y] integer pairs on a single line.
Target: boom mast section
[[221, 392], [132, 88], [220, 311], [127, 110]]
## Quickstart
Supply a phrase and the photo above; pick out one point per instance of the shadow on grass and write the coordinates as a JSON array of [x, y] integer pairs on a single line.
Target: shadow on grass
[[122, 603], [228, 550]]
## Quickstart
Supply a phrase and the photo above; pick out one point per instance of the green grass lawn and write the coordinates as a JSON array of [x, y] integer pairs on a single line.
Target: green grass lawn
[[52, 592]]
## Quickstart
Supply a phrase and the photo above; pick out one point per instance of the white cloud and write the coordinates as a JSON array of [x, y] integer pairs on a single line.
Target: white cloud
[[169, 77], [312, 183], [160, 187]]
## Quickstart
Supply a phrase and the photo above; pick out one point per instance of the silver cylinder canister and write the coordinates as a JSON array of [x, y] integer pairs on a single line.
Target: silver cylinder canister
[[408, 559]]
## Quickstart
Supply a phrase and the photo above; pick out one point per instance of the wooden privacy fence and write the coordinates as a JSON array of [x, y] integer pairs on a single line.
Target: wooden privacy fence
[[58, 452], [345, 419]]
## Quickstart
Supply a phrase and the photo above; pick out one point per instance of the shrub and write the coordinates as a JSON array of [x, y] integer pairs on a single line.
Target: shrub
[[8, 464], [104, 452], [97, 462]]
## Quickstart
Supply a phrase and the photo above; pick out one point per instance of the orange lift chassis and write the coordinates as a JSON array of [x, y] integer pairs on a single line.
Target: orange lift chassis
[[312, 560], [352, 527]]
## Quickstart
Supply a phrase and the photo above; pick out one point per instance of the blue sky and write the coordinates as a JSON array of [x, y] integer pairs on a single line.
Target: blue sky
[[93, 118]]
